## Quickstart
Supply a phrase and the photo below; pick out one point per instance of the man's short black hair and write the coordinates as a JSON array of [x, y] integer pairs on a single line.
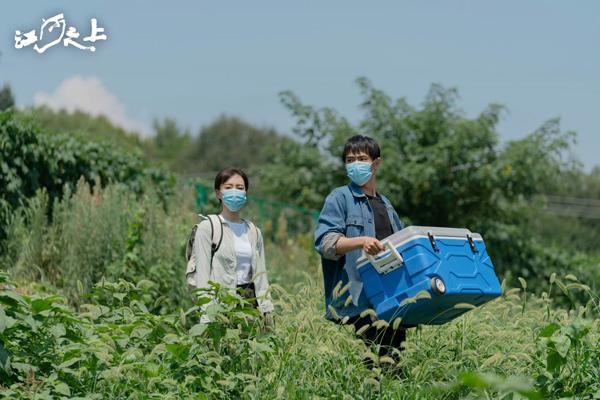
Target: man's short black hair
[[361, 143]]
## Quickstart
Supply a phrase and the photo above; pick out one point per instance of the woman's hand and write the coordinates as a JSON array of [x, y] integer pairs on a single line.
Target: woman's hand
[[371, 245]]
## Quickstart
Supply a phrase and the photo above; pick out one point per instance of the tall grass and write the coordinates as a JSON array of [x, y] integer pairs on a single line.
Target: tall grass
[[96, 233], [142, 341]]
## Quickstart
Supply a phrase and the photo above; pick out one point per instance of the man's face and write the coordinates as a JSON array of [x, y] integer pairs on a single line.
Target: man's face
[[363, 157]]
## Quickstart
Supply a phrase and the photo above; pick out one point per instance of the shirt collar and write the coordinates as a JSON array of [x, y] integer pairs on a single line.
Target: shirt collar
[[225, 221], [358, 192]]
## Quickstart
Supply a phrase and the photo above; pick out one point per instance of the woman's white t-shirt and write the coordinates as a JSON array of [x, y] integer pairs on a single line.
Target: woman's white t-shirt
[[243, 252]]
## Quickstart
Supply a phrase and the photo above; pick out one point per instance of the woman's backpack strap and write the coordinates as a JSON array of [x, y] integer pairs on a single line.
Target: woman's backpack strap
[[216, 228]]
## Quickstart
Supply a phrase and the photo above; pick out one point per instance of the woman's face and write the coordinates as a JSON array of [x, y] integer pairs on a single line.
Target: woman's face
[[235, 182]]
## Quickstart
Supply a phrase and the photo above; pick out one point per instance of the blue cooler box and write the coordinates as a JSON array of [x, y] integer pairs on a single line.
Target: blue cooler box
[[451, 265]]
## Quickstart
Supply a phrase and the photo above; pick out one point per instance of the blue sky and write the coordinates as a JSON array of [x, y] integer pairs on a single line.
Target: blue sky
[[194, 60]]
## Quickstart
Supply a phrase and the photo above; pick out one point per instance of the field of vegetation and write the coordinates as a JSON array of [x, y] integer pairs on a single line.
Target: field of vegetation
[[134, 334], [93, 301]]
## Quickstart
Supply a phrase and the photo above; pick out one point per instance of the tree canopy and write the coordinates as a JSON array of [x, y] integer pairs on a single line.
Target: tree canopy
[[439, 167]]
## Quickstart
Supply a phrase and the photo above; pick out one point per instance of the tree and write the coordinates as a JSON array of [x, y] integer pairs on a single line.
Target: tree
[[31, 159], [169, 141], [229, 141], [440, 168], [88, 127], [6, 98]]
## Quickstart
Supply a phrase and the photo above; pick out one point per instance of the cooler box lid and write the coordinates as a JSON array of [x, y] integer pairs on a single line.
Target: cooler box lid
[[400, 238]]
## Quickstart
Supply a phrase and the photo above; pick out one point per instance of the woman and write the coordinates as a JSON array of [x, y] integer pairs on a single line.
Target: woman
[[239, 261]]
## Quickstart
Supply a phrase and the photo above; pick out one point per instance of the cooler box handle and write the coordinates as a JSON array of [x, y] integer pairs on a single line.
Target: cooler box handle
[[386, 264]]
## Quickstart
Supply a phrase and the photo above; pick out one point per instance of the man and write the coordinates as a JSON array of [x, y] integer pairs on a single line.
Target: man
[[355, 218]]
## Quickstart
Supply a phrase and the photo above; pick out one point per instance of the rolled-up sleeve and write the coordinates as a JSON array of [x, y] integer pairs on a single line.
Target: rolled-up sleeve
[[331, 226], [328, 244]]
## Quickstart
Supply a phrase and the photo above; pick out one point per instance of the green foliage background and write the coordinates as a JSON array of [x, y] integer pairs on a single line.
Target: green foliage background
[[94, 220], [31, 159], [442, 168]]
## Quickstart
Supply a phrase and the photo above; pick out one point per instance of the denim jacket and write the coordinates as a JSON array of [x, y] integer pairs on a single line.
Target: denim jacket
[[346, 212]]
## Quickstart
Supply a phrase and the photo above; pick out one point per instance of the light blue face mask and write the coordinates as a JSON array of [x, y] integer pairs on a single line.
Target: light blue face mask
[[234, 199], [359, 172]]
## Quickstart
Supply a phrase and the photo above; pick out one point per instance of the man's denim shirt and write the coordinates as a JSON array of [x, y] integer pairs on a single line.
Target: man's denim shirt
[[346, 212]]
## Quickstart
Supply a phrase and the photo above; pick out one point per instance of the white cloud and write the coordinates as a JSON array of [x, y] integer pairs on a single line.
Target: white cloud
[[89, 95]]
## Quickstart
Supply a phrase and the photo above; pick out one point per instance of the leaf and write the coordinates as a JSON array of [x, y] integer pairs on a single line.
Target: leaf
[[11, 299], [6, 322], [232, 334], [562, 343], [58, 330], [119, 296], [141, 332], [549, 330], [4, 359], [39, 305], [554, 361], [63, 389], [197, 330], [69, 362]]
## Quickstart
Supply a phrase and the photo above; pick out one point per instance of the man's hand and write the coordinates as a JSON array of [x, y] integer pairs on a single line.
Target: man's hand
[[371, 245]]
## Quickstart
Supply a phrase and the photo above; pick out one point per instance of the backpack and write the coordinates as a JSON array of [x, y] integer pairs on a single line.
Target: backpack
[[216, 229]]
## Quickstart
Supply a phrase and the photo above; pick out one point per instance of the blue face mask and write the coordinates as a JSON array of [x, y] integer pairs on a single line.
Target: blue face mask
[[234, 199], [359, 172]]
